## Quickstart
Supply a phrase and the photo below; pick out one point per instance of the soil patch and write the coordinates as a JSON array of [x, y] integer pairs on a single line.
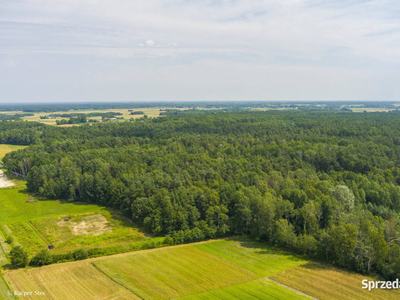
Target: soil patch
[[4, 181], [89, 225]]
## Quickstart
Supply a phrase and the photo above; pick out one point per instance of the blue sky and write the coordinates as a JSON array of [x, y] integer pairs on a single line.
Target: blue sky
[[154, 50]]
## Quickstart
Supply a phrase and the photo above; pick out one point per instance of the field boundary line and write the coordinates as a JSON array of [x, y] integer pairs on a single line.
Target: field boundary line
[[290, 288], [38, 233], [112, 279], [89, 260]]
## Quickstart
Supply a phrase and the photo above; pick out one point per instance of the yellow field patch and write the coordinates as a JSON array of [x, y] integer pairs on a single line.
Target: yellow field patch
[[126, 114], [327, 282], [4, 149], [172, 273], [68, 281]]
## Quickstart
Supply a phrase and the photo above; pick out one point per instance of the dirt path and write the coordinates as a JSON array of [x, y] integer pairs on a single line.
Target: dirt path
[[4, 181]]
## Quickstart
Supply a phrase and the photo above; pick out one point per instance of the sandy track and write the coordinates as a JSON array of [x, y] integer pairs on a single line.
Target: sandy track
[[4, 181]]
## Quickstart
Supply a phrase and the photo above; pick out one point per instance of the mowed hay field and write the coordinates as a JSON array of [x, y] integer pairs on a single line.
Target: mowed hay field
[[258, 289], [327, 282], [163, 273], [255, 257], [68, 281], [4, 149], [235, 270], [173, 272], [4, 290]]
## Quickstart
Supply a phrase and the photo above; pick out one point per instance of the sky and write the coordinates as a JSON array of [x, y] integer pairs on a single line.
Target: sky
[[199, 50]]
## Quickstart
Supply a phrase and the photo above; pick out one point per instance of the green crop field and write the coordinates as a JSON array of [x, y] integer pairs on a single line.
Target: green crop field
[[258, 289]]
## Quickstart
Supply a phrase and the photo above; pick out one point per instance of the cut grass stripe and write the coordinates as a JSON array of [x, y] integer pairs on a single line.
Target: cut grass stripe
[[172, 272], [255, 257], [259, 289]]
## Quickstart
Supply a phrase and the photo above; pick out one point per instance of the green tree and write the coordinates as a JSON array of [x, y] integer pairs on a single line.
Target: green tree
[[43, 257], [19, 257]]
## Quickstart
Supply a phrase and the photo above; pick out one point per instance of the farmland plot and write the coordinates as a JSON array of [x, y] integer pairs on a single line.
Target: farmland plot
[[258, 289], [327, 282], [68, 281], [172, 272]]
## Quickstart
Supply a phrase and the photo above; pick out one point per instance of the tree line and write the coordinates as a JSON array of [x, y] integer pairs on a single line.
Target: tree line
[[325, 184]]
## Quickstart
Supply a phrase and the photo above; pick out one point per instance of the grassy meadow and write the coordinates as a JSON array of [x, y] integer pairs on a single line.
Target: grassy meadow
[[35, 223]]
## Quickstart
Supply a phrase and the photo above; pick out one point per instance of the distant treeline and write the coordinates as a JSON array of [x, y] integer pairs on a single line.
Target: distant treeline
[[138, 112], [321, 183], [5, 117], [231, 105], [87, 115]]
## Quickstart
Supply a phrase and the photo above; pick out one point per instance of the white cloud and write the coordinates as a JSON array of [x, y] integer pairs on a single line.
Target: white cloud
[[9, 63], [358, 36], [150, 43]]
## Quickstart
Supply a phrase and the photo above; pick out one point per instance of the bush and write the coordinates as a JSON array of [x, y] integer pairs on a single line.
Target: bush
[[42, 258], [63, 257], [9, 239], [19, 257], [168, 241], [80, 254]]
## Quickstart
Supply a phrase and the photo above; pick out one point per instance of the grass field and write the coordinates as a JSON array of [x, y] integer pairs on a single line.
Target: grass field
[[35, 223], [172, 272], [68, 281], [4, 290], [86, 231], [4, 149], [229, 269], [15, 207], [255, 257], [258, 289], [327, 282]]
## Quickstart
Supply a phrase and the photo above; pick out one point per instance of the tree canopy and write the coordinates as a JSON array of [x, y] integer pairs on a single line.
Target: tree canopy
[[325, 184]]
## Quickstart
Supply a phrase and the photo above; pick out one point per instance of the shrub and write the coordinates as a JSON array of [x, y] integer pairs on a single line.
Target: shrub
[[9, 239], [168, 241], [63, 257], [19, 257], [43, 257], [80, 254]]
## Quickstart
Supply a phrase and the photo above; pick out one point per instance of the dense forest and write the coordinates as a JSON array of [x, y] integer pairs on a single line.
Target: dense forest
[[325, 184]]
